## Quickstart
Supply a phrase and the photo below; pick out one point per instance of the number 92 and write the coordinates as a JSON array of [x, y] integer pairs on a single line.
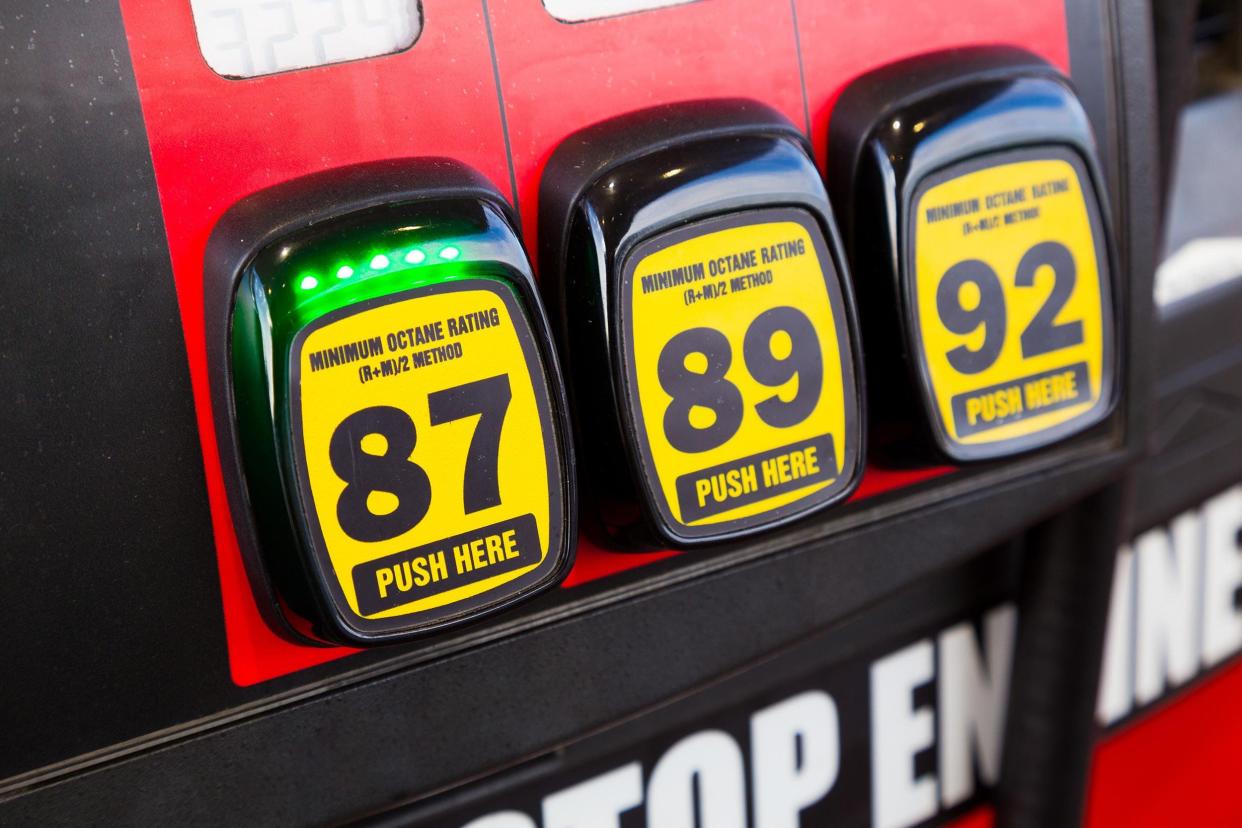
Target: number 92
[[1043, 335]]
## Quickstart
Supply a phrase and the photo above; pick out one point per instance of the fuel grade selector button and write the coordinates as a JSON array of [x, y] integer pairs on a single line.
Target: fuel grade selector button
[[394, 406], [974, 173], [697, 277]]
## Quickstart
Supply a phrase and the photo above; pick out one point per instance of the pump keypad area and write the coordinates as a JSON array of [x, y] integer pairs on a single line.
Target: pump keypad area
[[395, 428], [732, 344]]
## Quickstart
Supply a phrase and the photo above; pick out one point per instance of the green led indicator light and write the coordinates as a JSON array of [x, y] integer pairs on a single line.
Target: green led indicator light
[[382, 261], [312, 289]]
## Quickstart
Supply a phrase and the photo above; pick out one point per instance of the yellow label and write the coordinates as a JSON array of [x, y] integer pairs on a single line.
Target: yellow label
[[1012, 304], [740, 370], [425, 449]]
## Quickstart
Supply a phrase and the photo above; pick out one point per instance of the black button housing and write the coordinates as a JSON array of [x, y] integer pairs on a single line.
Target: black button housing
[[617, 191], [895, 133]]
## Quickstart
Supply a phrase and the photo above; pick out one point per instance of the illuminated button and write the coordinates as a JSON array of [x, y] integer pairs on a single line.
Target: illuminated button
[[974, 173], [721, 332], [399, 416]]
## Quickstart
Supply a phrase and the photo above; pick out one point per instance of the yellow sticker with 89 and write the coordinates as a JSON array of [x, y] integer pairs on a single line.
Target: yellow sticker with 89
[[741, 379], [1012, 302], [424, 449]]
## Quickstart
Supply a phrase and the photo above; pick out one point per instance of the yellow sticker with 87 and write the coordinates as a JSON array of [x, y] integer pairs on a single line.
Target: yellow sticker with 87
[[740, 374], [425, 452], [1012, 302]]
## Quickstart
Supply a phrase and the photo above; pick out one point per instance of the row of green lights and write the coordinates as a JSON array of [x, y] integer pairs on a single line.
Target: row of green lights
[[380, 262]]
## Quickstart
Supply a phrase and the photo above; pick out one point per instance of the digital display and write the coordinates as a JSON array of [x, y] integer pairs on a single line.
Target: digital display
[[246, 39]]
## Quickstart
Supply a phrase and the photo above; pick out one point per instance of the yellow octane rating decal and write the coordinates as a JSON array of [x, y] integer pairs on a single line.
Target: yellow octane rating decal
[[737, 358], [425, 448], [1011, 299]]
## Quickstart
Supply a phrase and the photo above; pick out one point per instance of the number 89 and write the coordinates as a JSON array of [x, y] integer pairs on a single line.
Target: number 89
[[710, 389]]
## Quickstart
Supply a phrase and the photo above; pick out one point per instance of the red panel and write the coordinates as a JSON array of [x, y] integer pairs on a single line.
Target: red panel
[[1176, 766], [215, 141], [877, 480], [982, 817], [558, 77], [594, 562], [842, 39]]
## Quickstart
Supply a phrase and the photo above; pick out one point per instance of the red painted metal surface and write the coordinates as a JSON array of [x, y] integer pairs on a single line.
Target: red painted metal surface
[[841, 40], [557, 78], [980, 818], [1177, 765]]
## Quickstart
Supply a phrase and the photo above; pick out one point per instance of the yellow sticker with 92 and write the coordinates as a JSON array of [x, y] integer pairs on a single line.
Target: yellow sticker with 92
[[1012, 302], [424, 443], [740, 371]]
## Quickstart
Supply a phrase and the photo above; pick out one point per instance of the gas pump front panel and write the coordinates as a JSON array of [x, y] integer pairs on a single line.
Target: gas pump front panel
[[497, 87]]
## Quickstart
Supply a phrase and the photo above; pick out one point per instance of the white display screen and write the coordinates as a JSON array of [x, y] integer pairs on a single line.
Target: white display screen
[[248, 38], [576, 11]]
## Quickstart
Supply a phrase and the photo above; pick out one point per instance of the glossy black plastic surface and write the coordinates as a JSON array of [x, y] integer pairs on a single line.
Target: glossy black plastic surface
[[605, 190], [891, 131]]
